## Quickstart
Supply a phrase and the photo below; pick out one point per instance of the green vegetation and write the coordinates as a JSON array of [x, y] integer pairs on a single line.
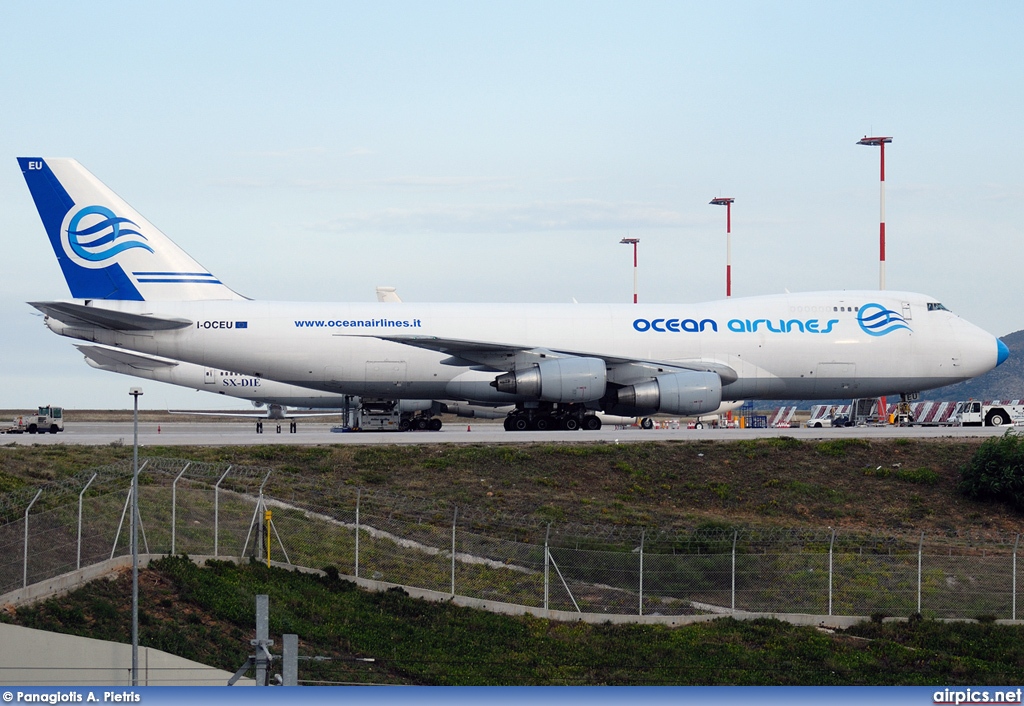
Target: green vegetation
[[886, 488], [206, 614], [996, 471], [875, 485]]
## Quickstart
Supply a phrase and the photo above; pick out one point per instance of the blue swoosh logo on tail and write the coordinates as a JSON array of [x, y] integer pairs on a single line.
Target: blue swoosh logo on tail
[[110, 229]]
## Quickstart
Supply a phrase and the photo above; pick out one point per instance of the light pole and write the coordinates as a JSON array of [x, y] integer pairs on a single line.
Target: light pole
[[634, 242], [135, 392], [880, 142], [727, 202]]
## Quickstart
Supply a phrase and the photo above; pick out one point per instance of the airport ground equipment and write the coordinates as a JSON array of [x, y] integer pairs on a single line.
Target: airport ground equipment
[[47, 419], [398, 415], [975, 413]]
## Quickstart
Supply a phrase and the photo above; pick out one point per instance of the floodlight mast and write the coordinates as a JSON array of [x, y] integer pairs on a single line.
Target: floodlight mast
[[727, 202], [135, 392], [880, 142], [634, 242]]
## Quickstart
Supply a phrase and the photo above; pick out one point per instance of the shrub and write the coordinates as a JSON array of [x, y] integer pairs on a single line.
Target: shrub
[[996, 471]]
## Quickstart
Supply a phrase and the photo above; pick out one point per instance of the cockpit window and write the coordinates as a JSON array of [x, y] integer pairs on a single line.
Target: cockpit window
[[935, 306]]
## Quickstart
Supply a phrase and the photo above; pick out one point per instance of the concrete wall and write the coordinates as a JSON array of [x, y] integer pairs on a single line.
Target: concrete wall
[[38, 658]]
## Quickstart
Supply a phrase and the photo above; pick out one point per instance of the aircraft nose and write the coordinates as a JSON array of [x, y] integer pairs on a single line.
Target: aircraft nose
[[1002, 354]]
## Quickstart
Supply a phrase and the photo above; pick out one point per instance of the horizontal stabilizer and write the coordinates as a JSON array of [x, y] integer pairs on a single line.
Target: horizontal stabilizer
[[111, 358], [80, 315]]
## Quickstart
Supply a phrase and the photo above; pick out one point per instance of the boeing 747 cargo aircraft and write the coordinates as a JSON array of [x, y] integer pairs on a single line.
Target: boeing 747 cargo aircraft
[[133, 288]]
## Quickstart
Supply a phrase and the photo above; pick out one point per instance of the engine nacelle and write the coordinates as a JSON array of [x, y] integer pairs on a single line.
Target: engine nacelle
[[557, 380], [676, 393]]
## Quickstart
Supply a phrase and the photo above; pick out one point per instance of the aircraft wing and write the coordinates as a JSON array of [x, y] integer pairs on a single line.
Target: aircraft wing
[[87, 316], [507, 357], [273, 412]]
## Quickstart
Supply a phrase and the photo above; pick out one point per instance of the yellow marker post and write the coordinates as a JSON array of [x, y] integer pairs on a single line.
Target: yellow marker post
[[266, 522]]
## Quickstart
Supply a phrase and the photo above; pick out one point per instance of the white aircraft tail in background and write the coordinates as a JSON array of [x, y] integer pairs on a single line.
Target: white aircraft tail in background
[[388, 295]]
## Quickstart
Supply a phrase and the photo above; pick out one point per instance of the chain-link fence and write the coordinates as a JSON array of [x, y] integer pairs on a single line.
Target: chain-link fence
[[219, 510]]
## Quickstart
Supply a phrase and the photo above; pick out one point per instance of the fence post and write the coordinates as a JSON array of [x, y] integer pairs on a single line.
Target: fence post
[[174, 506], [831, 543], [547, 565], [78, 564], [216, 514], [359, 497], [1013, 613], [24, 565], [643, 535], [290, 660], [455, 521], [920, 549], [735, 533]]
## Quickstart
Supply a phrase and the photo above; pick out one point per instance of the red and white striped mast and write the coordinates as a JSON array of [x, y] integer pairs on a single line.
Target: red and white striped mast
[[727, 202], [880, 142], [634, 242]]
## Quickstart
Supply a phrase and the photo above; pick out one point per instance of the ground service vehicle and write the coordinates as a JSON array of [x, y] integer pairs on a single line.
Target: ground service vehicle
[[48, 419], [975, 413]]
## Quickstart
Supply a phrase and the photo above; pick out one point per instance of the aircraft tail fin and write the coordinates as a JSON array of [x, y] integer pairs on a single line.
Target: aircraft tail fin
[[106, 249]]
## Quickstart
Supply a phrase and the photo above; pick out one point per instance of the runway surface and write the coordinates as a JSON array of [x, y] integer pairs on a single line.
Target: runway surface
[[239, 433]]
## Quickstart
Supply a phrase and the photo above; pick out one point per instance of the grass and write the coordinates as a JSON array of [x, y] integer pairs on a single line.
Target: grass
[[206, 614], [882, 485]]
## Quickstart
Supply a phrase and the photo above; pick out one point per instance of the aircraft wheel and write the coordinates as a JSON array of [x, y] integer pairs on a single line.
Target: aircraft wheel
[[542, 424], [571, 424], [646, 423], [435, 424], [520, 424], [698, 425], [404, 425], [422, 424], [507, 423], [591, 422]]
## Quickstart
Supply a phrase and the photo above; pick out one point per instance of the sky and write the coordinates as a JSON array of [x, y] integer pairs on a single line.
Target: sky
[[499, 151]]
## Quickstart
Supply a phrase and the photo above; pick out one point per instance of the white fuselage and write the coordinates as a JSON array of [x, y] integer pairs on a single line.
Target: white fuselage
[[791, 346]]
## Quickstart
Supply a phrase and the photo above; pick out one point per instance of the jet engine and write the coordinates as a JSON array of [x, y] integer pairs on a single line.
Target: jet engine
[[557, 380], [676, 393]]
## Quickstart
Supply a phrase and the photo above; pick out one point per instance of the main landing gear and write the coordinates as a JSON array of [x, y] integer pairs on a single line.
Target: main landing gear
[[550, 416], [420, 422], [293, 426]]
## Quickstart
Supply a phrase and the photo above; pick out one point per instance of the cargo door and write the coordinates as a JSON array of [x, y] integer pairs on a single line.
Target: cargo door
[[385, 377]]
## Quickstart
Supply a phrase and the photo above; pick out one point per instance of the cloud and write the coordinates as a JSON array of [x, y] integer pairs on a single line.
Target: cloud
[[579, 214], [405, 182], [277, 154]]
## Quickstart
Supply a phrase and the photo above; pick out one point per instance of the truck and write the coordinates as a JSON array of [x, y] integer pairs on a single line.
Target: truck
[[975, 413], [47, 419]]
